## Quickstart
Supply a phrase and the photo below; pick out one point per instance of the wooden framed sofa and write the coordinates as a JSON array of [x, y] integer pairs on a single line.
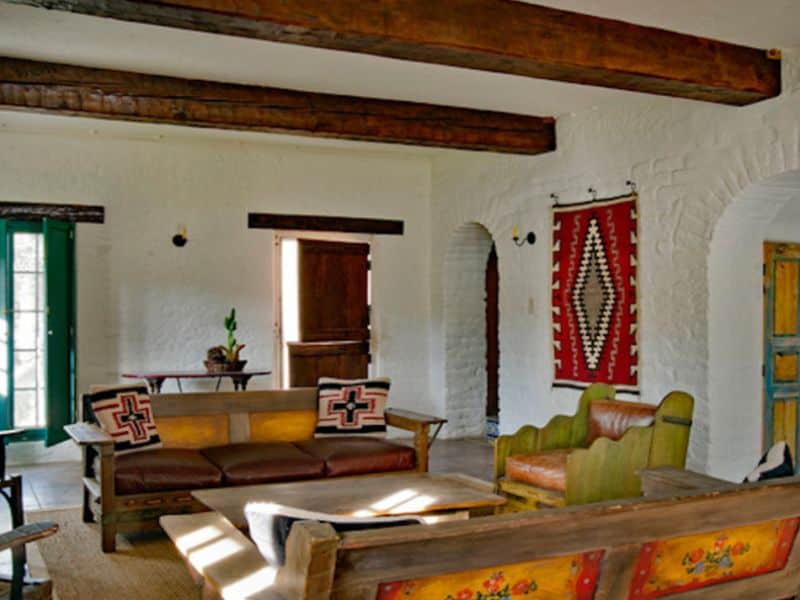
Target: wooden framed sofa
[[593, 455], [736, 542], [224, 439]]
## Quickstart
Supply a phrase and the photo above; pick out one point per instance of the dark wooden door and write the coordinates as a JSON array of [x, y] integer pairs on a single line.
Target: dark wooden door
[[333, 312], [492, 334]]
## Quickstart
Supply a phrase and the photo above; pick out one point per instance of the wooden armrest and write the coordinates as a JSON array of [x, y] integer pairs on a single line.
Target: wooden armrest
[[27, 533], [408, 419], [672, 480], [88, 434]]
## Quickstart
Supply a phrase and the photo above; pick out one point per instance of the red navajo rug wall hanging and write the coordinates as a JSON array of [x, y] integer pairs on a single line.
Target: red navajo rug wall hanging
[[595, 312]]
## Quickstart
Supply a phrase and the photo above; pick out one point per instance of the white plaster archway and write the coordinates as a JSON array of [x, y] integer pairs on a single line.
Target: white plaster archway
[[766, 210], [465, 329]]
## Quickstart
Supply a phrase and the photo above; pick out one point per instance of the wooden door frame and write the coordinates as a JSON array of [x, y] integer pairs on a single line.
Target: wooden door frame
[[277, 286]]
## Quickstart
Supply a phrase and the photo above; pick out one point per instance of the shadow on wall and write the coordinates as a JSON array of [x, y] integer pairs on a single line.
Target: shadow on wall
[[766, 211], [465, 330]]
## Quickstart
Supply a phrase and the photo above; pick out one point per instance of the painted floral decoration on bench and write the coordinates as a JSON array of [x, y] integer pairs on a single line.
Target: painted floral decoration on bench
[[496, 588], [571, 577], [708, 561]]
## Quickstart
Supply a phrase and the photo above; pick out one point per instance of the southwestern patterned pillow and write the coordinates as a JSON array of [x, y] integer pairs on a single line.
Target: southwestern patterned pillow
[[352, 406], [124, 412]]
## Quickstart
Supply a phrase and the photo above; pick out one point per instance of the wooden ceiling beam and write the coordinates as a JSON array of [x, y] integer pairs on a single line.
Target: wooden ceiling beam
[[122, 95], [503, 36]]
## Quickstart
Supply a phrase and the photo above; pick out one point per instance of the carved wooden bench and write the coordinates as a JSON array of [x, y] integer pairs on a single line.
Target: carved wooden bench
[[737, 542]]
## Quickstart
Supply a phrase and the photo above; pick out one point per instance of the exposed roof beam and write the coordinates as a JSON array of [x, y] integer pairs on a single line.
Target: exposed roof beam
[[121, 95], [492, 35]]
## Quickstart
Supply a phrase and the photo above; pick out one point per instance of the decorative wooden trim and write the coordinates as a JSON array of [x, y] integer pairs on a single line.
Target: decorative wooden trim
[[126, 96], [30, 211], [324, 223], [490, 35]]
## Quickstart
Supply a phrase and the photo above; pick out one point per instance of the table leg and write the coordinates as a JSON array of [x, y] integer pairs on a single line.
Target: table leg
[[155, 384], [180, 387], [219, 381]]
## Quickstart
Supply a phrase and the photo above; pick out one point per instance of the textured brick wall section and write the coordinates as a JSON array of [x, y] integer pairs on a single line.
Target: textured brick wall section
[[691, 161], [465, 330]]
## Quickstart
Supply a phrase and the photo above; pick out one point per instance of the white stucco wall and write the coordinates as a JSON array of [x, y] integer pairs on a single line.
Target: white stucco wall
[[690, 161], [144, 304]]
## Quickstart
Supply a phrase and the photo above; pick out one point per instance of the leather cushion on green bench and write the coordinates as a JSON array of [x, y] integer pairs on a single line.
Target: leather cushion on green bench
[[164, 470], [349, 455], [253, 463], [547, 469]]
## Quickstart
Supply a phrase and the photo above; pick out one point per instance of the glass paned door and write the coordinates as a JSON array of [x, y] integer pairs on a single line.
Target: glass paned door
[[37, 328], [28, 329]]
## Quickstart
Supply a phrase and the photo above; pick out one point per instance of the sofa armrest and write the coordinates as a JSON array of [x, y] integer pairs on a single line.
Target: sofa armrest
[[88, 434], [410, 420], [420, 424]]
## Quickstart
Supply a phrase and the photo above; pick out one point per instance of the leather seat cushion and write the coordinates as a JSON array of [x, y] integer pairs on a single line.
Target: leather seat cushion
[[612, 418], [547, 470], [267, 462], [164, 470], [353, 455]]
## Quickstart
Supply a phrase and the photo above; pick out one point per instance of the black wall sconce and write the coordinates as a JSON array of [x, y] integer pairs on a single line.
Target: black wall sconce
[[530, 238], [179, 239]]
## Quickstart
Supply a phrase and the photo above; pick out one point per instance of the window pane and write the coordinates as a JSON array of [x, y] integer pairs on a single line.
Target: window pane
[[25, 334], [25, 370], [25, 291], [25, 409], [26, 252]]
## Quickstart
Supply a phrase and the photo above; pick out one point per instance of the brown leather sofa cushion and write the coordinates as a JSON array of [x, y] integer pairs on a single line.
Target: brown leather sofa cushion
[[612, 418], [163, 470], [546, 469], [350, 455], [252, 463]]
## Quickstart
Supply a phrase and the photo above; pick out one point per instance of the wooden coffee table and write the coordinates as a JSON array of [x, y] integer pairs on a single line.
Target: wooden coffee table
[[417, 494]]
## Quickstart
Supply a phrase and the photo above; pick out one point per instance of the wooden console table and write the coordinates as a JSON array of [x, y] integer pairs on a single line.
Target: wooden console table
[[156, 379]]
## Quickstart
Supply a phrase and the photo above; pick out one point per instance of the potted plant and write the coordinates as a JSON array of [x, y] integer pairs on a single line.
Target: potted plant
[[226, 358]]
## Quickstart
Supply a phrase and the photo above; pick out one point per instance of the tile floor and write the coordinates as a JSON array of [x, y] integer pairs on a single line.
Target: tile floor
[[57, 485]]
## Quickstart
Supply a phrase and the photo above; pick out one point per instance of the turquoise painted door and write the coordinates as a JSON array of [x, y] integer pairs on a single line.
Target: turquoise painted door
[[781, 344], [60, 357]]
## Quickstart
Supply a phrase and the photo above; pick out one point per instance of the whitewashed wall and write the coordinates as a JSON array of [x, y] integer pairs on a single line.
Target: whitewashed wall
[[144, 304], [690, 161]]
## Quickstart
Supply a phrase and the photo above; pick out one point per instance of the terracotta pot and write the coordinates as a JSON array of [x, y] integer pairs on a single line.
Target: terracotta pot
[[224, 367]]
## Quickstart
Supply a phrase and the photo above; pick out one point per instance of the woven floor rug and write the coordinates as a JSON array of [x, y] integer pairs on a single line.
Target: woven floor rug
[[144, 566]]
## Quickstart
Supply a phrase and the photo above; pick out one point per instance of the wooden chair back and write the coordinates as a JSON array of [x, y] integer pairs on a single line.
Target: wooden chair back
[[737, 543]]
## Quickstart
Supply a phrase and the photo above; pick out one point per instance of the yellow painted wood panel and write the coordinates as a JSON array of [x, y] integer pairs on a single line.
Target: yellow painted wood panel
[[686, 563], [197, 431], [786, 367], [560, 578], [785, 423], [283, 426], [787, 277]]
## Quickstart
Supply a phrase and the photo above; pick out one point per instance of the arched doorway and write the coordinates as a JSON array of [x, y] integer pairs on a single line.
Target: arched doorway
[[765, 211], [471, 285]]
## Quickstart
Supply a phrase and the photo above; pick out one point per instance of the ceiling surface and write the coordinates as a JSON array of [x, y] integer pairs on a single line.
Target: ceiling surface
[[27, 32]]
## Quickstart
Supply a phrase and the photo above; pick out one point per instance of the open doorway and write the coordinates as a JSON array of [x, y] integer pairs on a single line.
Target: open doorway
[[492, 346], [322, 322], [753, 334], [471, 322]]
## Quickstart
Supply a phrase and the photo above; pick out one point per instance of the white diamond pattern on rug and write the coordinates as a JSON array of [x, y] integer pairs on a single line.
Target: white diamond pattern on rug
[[593, 297]]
